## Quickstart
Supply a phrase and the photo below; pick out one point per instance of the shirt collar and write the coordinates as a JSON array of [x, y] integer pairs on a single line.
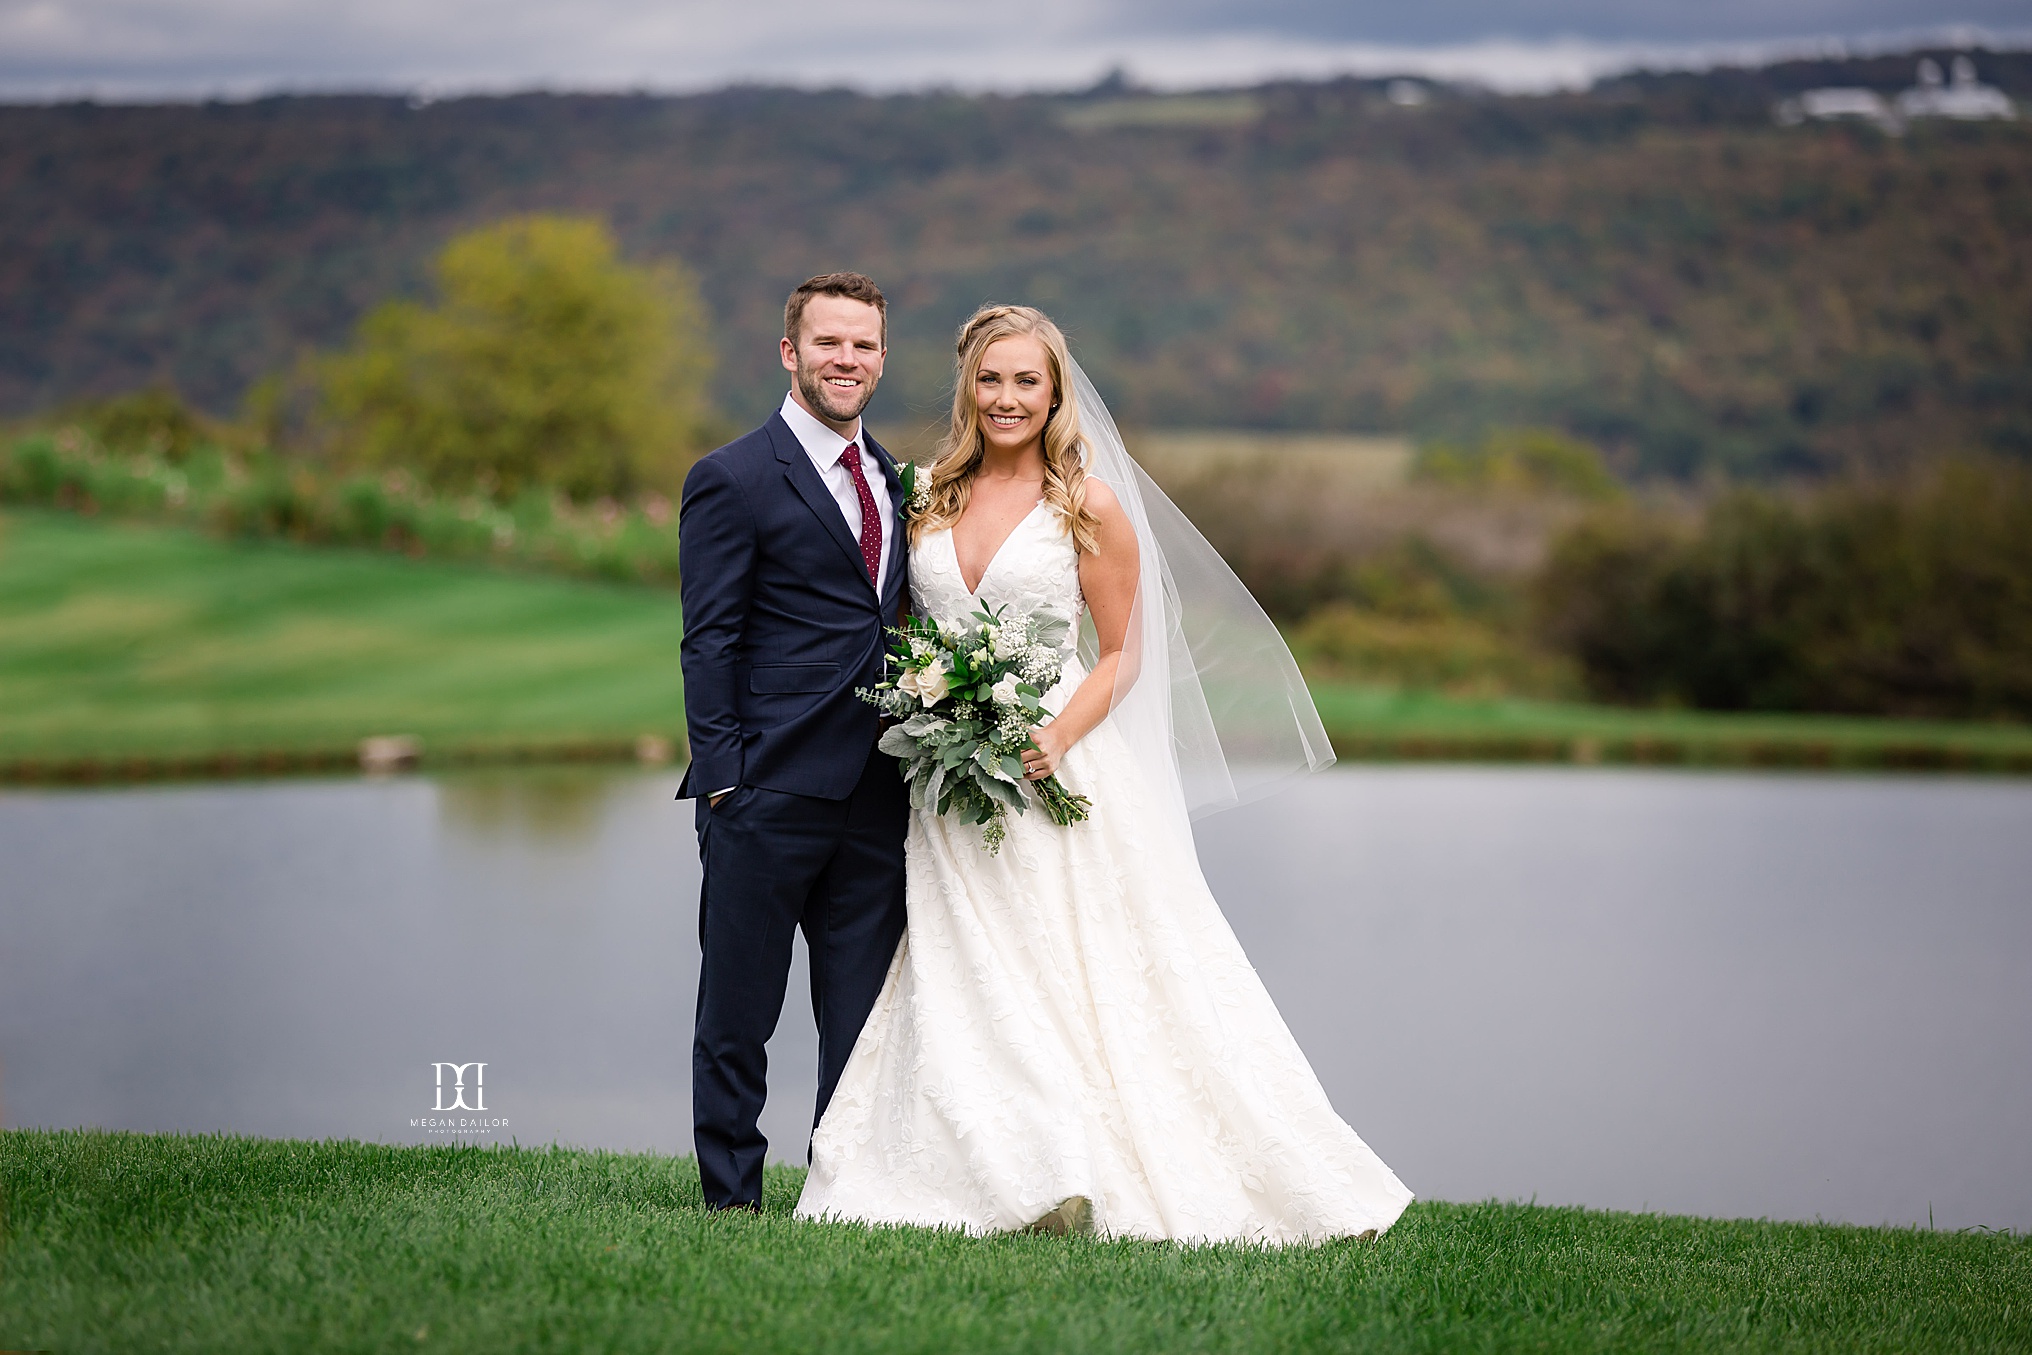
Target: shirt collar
[[820, 443]]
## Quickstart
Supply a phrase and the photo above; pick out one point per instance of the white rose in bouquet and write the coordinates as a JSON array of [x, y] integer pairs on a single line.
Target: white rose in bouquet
[[928, 684], [1004, 692]]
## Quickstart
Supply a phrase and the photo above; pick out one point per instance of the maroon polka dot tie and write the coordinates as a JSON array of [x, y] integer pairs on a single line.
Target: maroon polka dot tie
[[871, 521]]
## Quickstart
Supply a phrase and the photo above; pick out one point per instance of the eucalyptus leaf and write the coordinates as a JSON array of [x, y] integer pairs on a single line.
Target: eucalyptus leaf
[[1051, 628], [1012, 796], [990, 762]]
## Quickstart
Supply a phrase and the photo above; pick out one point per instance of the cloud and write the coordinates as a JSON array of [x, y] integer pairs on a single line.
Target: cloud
[[137, 49], [1610, 22]]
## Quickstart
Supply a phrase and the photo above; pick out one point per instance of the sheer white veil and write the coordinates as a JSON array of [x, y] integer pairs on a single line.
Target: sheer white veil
[[1208, 697]]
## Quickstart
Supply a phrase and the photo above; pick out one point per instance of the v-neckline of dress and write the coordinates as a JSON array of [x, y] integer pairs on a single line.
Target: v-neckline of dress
[[952, 540]]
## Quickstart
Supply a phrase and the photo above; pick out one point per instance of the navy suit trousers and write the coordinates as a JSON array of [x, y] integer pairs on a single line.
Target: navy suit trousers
[[775, 862]]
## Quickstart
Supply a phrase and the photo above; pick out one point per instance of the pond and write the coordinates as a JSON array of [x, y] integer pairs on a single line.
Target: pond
[[1731, 995]]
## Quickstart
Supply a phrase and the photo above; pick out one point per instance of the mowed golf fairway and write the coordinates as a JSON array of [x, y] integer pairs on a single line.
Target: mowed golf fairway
[[118, 639]]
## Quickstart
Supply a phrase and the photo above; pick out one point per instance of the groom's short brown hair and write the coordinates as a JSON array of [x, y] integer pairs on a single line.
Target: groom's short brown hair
[[853, 286]]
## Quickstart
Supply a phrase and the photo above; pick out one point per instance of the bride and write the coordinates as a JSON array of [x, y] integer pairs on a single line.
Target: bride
[[1070, 1037]]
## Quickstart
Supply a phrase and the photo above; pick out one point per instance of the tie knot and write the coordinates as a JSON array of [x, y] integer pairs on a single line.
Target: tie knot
[[853, 449]]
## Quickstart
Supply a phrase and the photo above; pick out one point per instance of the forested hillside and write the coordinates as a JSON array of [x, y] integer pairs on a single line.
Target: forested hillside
[[1655, 265]]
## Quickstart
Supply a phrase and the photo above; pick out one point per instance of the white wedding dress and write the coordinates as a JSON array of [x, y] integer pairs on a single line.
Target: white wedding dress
[[1074, 1017]]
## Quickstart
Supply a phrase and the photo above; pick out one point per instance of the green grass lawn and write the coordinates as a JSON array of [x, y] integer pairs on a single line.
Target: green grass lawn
[[122, 641], [122, 1242], [118, 639], [1378, 721]]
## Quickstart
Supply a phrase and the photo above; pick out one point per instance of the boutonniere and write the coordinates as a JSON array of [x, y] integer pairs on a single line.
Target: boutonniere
[[914, 498]]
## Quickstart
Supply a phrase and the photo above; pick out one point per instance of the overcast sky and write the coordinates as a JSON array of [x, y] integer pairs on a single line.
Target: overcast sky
[[196, 48]]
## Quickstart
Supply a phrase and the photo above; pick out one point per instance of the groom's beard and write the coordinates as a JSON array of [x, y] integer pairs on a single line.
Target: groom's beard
[[835, 405]]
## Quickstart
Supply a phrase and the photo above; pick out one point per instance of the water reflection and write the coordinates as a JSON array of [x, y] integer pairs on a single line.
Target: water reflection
[[1723, 994], [1789, 996], [553, 805]]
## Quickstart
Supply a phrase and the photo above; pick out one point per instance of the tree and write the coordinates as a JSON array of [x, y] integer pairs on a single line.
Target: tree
[[548, 361], [1868, 597]]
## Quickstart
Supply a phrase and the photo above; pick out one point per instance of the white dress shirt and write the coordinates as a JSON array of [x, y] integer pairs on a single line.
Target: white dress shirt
[[824, 446]]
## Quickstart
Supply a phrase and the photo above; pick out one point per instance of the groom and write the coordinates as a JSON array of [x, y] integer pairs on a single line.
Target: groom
[[792, 557]]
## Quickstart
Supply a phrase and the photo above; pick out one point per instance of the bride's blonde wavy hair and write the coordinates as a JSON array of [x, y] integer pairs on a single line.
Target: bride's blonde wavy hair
[[961, 453]]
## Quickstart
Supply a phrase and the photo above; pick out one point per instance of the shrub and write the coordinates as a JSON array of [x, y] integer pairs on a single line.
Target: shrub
[[32, 471], [1535, 460], [1912, 599], [153, 422], [1457, 654], [256, 495], [275, 500], [1597, 600], [65, 468]]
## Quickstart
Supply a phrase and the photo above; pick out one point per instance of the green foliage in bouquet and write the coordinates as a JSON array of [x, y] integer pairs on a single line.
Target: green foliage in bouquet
[[966, 701]]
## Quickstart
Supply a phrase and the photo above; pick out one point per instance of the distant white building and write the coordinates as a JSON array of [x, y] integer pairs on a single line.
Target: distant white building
[[1407, 93], [1961, 96], [1966, 97], [1841, 103]]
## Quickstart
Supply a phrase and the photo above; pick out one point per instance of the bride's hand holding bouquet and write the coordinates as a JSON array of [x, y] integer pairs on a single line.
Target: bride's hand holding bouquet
[[968, 703]]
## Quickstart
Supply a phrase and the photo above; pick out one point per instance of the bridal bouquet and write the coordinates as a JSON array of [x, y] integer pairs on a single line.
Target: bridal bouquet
[[966, 701]]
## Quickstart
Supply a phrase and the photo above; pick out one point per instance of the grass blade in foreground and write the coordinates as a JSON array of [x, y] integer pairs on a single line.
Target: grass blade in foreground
[[133, 1242]]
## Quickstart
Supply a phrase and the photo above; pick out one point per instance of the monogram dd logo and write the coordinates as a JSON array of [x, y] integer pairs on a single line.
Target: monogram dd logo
[[458, 1086]]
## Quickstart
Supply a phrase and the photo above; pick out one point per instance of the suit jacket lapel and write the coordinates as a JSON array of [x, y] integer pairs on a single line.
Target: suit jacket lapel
[[804, 479]]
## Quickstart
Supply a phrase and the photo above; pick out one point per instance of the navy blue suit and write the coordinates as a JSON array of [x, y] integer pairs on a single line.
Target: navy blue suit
[[782, 623]]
